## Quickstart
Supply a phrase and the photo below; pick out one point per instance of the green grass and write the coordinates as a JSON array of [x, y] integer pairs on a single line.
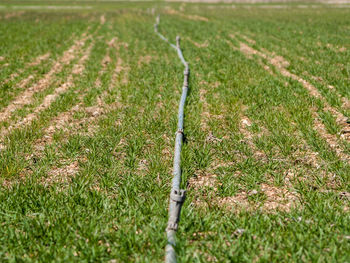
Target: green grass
[[113, 208]]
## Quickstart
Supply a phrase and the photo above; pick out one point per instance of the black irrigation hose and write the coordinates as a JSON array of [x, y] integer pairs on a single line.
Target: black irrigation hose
[[177, 195]]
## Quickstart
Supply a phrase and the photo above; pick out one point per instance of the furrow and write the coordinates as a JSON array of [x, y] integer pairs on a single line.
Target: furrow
[[78, 69], [66, 122], [280, 64], [25, 97], [277, 198], [331, 140], [37, 61], [65, 119]]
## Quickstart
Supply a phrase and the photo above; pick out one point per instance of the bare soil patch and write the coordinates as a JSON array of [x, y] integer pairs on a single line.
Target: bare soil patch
[[337, 49], [190, 17], [203, 179], [205, 44], [244, 125], [39, 59], [13, 14], [144, 60], [102, 19], [61, 174], [205, 115], [277, 199]]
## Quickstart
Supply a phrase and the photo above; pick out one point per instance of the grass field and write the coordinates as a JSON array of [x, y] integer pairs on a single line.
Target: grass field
[[88, 111]]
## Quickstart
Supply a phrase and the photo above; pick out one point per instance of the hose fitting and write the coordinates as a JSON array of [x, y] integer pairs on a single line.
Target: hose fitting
[[177, 198]]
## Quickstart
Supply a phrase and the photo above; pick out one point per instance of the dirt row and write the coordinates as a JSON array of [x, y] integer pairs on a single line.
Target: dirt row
[[280, 64], [64, 170], [26, 96]]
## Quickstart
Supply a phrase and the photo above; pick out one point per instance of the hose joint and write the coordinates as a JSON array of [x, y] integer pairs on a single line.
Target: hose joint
[[177, 198]]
